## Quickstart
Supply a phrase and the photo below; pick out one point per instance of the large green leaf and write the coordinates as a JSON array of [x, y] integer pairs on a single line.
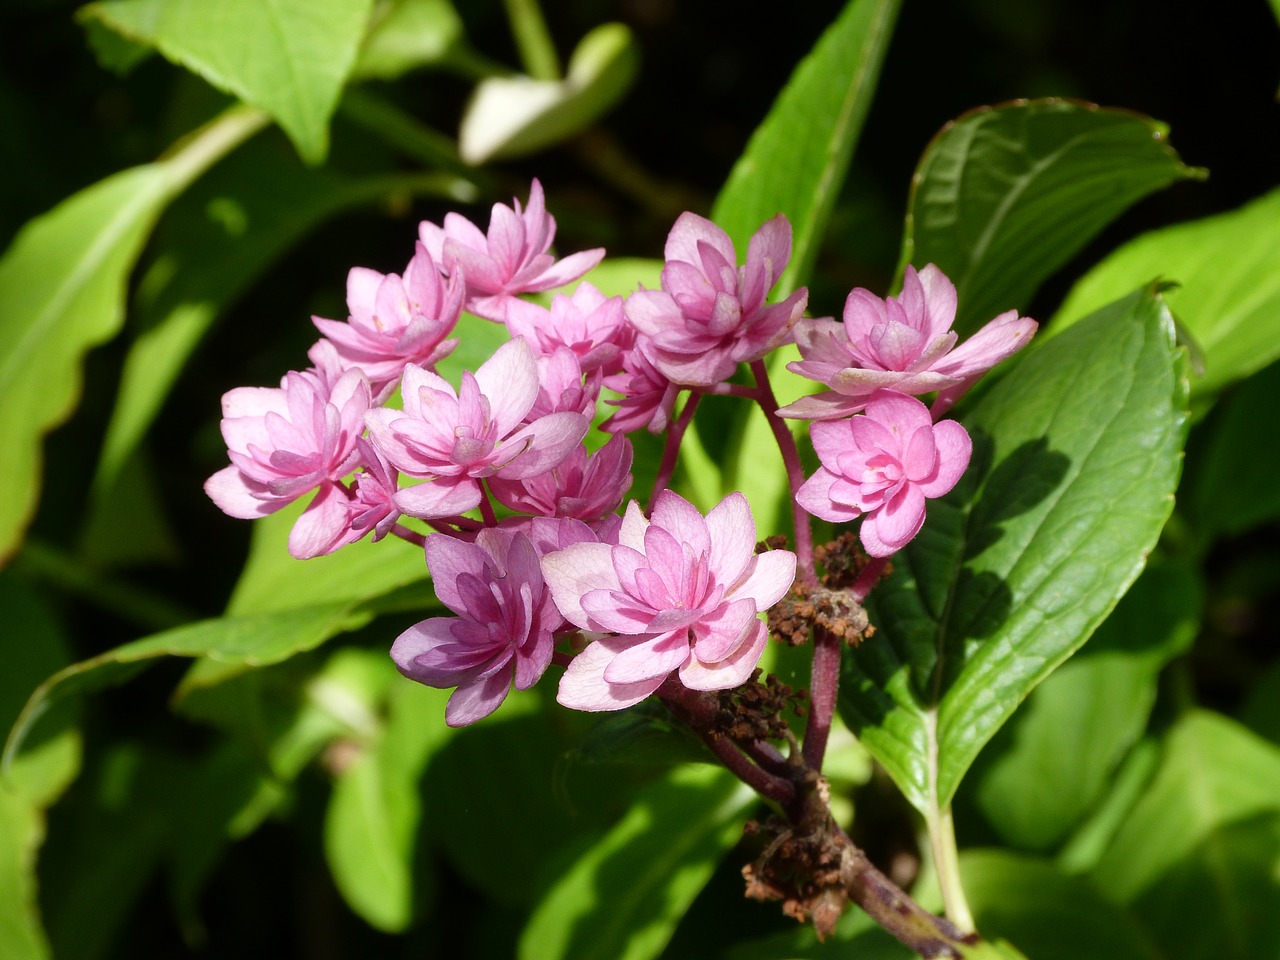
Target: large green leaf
[[1048, 767], [1228, 297], [797, 158], [290, 58], [1198, 856], [1005, 196], [407, 34], [1077, 454], [623, 897]]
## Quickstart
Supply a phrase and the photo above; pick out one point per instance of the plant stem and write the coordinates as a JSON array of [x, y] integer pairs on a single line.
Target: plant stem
[[671, 448], [795, 472], [190, 156], [868, 578], [413, 536], [824, 687], [537, 51], [946, 861]]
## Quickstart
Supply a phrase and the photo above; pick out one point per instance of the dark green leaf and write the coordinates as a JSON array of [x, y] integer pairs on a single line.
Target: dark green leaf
[[1052, 763], [797, 158], [1077, 453], [1005, 196], [1228, 293], [290, 58], [623, 897], [1047, 915], [1198, 857]]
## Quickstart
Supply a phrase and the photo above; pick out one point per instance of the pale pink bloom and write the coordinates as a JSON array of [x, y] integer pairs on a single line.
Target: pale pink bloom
[[511, 259], [584, 487], [503, 633], [678, 593], [646, 397], [455, 439], [591, 325], [284, 442], [902, 343], [395, 321], [561, 386], [882, 466], [710, 314]]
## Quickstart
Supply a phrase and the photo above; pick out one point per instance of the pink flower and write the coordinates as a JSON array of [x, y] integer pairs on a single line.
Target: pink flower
[[395, 321], [587, 323], [374, 504], [587, 488], [882, 466], [902, 343], [512, 259], [285, 442], [646, 397], [710, 314], [679, 592], [561, 386], [504, 629], [455, 439]]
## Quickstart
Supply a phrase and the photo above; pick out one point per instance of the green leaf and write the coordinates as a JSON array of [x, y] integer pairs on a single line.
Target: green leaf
[[290, 58], [405, 35], [1047, 768], [514, 116], [1077, 453], [1198, 856], [371, 824], [1005, 196], [273, 581], [1228, 293], [1048, 915], [62, 286], [21, 832], [797, 158], [622, 899], [61, 292]]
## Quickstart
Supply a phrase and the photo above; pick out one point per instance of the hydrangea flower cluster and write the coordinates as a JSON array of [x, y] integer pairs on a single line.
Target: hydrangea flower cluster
[[528, 549]]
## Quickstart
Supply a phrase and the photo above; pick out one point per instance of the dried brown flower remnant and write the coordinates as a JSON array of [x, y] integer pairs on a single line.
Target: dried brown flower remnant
[[803, 872], [754, 711]]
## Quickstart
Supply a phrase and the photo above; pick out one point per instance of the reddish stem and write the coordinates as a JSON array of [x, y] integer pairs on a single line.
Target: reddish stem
[[409, 536], [672, 447]]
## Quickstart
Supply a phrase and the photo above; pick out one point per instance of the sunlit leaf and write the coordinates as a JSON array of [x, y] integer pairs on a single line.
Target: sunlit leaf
[[623, 897], [290, 58], [1228, 296], [1047, 768], [405, 35], [1006, 195], [1077, 453], [1198, 857], [62, 286]]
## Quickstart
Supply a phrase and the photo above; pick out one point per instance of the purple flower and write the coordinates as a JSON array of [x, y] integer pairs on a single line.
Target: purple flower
[[710, 314], [455, 439], [284, 442], [678, 592], [512, 259], [395, 321], [882, 466], [902, 343], [591, 325], [503, 631]]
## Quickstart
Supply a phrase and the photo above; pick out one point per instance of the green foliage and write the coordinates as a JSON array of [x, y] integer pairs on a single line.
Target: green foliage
[[1078, 451], [290, 58], [1005, 196], [1227, 294]]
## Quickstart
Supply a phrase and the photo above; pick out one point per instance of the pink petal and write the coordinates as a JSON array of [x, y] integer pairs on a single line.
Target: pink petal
[[583, 686], [324, 526], [899, 520], [509, 381], [575, 571], [446, 497], [651, 660], [733, 670], [688, 231], [477, 699], [237, 496], [720, 633], [447, 559], [814, 496], [682, 520], [767, 580], [732, 531], [954, 450], [939, 295]]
